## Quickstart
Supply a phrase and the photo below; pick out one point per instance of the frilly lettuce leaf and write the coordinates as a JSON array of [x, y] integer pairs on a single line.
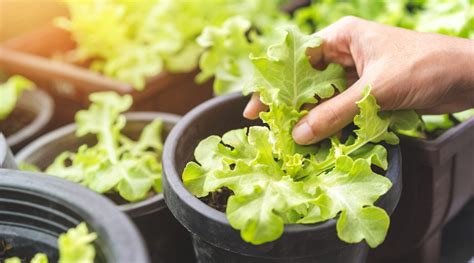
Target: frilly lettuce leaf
[[464, 115], [274, 181], [132, 41], [450, 17], [116, 163], [76, 245], [454, 17], [10, 92], [434, 122], [227, 55]]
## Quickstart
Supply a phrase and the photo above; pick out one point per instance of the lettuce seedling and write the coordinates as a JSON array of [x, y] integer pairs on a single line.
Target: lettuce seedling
[[10, 92], [275, 181], [115, 163], [74, 246], [133, 40]]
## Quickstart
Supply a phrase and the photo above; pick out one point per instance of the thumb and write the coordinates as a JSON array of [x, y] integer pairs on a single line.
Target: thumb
[[329, 117]]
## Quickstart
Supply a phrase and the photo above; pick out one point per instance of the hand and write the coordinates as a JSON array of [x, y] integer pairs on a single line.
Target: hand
[[429, 73]]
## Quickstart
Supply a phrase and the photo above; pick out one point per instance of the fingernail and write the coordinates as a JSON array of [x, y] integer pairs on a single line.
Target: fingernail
[[303, 133], [248, 111]]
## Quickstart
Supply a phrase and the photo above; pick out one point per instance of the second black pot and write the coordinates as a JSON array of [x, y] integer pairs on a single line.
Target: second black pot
[[35, 209], [39, 104], [166, 239], [213, 238]]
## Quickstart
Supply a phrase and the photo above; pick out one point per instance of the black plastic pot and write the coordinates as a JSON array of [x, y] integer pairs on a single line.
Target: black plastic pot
[[166, 239], [213, 238], [35, 209], [438, 180], [41, 106], [6, 157]]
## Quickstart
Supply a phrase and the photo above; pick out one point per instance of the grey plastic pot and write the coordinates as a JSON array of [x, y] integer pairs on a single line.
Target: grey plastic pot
[[41, 105], [213, 238], [6, 157], [438, 180], [35, 209], [166, 239]]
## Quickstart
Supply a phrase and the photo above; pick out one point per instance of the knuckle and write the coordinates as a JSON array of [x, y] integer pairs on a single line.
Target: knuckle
[[348, 20]]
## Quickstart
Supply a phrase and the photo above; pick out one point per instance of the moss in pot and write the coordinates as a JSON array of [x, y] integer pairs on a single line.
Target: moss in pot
[[37, 210], [284, 197], [135, 172], [25, 111]]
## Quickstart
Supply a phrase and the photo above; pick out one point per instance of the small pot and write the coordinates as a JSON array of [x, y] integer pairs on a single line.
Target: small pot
[[166, 239], [6, 156], [35, 209], [36, 105], [438, 180], [213, 238]]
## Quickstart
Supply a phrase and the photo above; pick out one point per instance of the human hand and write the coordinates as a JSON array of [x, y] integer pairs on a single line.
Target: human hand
[[429, 73]]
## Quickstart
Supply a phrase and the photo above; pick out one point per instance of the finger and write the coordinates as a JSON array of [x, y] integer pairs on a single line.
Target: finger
[[254, 107], [337, 39], [329, 117]]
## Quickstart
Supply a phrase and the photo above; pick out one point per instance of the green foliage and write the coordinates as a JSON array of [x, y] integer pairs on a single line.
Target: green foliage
[[74, 246], [450, 17], [133, 40], [10, 92], [115, 163], [275, 181]]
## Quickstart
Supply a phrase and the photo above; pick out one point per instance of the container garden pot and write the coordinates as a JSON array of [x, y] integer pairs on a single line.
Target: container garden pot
[[6, 156], [166, 239], [438, 180], [213, 238], [35, 209], [29, 119], [70, 84]]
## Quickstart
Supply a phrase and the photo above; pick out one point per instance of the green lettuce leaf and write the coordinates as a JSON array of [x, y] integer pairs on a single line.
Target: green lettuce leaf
[[76, 245], [273, 180], [227, 55], [116, 163], [435, 122], [10, 92], [152, 36], [464, 115], [453, 17]]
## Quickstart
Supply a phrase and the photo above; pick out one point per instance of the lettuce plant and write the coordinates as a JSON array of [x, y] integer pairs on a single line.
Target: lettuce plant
[[10, 92], [227, 47], [133, 40], [74, 246], [454, 17], [275, 181], [115, 163]]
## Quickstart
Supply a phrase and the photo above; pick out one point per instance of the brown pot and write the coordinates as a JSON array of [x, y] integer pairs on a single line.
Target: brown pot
[[30, 55], [438, 180]]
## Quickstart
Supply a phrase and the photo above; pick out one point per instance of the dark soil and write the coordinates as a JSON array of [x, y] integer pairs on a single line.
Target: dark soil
[[16, 121], [118, 200], [218, 199]]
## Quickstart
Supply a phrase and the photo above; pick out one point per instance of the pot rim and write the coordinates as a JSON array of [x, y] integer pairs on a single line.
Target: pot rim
[[137, 209], [173, 179], [98, 212], [43, 109]]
